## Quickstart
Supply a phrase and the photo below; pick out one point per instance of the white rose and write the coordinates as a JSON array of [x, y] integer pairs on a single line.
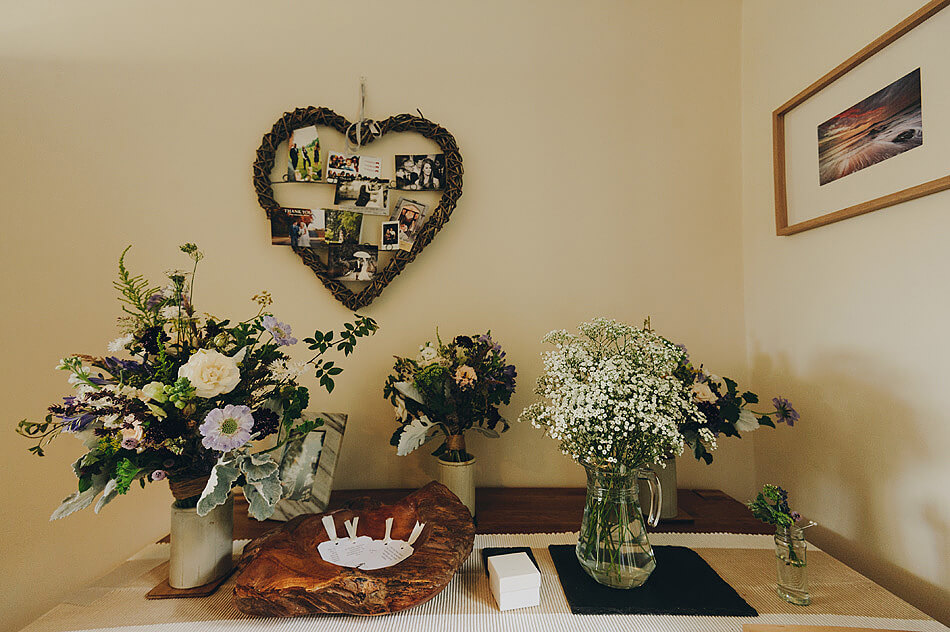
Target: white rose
[[211, 372], [747, 421], [702, 393], [155, 391]]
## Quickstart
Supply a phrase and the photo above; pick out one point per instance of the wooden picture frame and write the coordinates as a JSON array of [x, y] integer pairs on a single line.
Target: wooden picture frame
[[782, 227]]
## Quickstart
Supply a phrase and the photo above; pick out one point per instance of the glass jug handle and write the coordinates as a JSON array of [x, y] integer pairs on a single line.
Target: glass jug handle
[[656, 495]]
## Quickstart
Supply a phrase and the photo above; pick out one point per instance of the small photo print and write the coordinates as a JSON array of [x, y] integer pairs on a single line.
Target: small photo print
[[348, 167], [300, 227], [303, 161], [342, 227], [389, 240], [884, 125], [420, 172], [409, 215], [370, 196], [353, 262]]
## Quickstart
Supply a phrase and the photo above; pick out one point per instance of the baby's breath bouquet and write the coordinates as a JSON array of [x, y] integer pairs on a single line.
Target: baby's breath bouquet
[[186, 396], [614, 402], [613, 398]]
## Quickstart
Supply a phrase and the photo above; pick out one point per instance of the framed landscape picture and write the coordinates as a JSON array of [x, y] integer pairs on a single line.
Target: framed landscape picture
[[872, 133]]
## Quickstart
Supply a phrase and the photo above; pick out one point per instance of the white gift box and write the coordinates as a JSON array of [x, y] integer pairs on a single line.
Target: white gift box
[[515, 582]]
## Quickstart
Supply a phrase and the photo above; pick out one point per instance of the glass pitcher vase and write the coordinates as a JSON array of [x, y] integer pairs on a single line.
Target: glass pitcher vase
[[613, 547]]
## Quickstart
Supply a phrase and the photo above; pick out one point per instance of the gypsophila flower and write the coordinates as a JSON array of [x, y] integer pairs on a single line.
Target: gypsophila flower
[[119, 344], [227, 428], [280, 331]]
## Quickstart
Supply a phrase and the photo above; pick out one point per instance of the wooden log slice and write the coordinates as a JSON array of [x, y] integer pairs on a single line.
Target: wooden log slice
[[281, 574]]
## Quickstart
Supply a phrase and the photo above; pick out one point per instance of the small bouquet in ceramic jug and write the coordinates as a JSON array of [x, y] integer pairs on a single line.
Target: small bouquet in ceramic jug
[[447, 389], [183, 397]]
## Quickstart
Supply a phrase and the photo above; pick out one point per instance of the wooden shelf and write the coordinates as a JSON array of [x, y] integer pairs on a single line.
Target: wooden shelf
[[544, 509]]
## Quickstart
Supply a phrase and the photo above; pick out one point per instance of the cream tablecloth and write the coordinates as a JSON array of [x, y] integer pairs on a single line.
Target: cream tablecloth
[[841, 597]]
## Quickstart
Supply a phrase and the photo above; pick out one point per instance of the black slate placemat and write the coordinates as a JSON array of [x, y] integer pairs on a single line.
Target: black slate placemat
[[683, 583]]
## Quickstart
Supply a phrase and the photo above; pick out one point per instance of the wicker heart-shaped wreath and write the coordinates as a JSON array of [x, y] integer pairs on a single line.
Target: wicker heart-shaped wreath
[[305, 117]]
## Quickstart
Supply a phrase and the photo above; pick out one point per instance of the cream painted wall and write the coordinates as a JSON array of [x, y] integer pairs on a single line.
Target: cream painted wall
[[601, 146], [849, 320]]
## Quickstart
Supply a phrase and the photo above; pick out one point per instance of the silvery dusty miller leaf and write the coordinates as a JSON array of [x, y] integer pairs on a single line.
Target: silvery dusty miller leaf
[[219, 486], [258, 466], [80, 500], [107, 495]]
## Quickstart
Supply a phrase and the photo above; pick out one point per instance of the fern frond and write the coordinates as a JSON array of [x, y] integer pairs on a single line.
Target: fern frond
[[134, 290]]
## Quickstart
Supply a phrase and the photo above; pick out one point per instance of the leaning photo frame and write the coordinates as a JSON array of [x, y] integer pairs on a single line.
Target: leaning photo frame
[[803, 198], [307, 467]]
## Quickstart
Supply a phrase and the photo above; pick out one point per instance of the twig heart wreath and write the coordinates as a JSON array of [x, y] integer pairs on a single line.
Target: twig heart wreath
[[361, 134]]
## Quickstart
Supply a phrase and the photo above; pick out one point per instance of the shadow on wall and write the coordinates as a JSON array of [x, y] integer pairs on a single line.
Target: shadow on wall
[[862, 464]]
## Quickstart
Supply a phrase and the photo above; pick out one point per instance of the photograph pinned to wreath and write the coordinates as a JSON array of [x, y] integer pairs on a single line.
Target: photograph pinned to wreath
[[445, 391], [203, 402]]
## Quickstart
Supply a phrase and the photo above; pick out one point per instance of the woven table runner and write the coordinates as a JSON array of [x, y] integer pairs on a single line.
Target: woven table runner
[[840, 596]]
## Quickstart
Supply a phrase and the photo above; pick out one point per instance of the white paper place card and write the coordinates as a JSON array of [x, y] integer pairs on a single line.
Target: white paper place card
[[347, 552], [363, 552], [385, 553]]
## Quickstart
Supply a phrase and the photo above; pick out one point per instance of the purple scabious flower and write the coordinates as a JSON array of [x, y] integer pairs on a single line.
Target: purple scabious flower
[[225, 429], [685, 352], [784, 411], [159, 475], [129, 443], [280, 331], [796, 516]]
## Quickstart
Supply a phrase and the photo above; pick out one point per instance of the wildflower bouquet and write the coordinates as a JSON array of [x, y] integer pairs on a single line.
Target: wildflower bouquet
[[448, 389], [184, 395], [724, 410], [771, 507], [613, 398]]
